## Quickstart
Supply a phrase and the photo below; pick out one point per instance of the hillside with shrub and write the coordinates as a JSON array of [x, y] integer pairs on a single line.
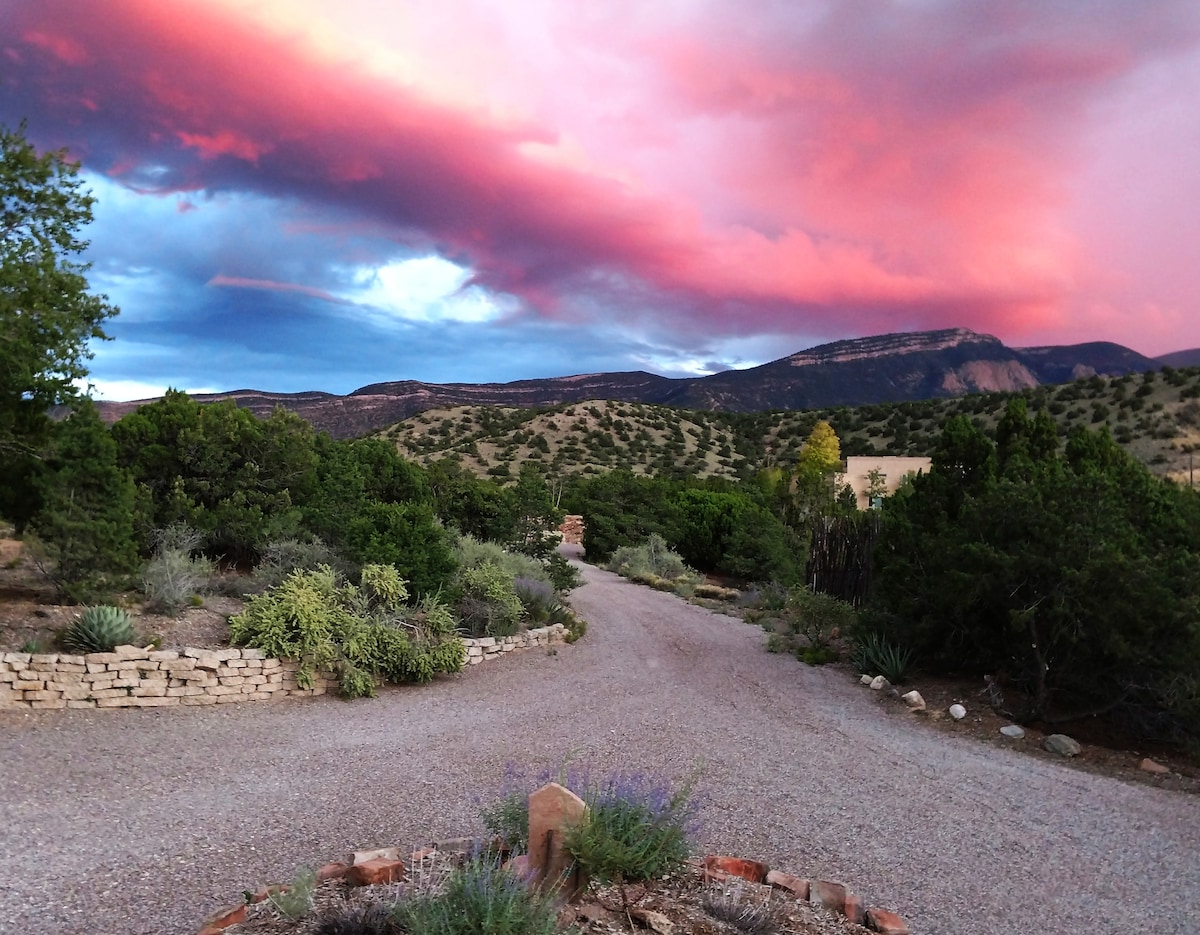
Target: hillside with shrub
[[1154, 415]]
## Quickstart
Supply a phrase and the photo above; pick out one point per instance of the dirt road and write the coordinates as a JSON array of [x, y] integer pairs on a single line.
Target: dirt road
[[146, 821]]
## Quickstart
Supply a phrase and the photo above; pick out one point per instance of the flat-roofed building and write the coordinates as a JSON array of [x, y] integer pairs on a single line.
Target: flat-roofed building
[[890, 472]]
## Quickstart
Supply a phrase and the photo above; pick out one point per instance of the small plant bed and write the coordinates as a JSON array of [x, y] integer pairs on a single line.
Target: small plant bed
[[613, 858], [685, 904]]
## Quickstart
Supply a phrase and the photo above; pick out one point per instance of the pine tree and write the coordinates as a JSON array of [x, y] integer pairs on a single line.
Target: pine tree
[[86, 519]]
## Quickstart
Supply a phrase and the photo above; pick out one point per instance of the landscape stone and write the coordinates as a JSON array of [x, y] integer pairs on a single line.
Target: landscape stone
[[914, 700], [866, 680], [828, 895], [958, 712], [552, 809], [797, 886], [375, 872], [1062, 745], [720, 868], [854, 910], [1148, 765], [879, 683], [1013, 731], [886, 922]]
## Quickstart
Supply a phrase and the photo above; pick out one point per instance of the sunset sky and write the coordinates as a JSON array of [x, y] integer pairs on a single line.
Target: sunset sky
[[297, 194]]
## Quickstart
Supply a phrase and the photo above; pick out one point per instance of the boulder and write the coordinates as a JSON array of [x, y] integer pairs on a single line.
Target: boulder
[[552, 809], [914, 700], [958, 712], [797, 886], [866, 680], [828, 895], [1062, 745], [1148, 765], [879, 683], [1013, 731]]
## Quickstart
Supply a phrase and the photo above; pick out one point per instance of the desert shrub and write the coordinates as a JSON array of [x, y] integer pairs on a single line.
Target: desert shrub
[[480, 896], [748, 913], [374, 918], [361, 633], [175, 574], [472, 552], [537, 598], [818, 618], [98, 630], [637, 828], [489, 605], [652, 558], [280, 557]]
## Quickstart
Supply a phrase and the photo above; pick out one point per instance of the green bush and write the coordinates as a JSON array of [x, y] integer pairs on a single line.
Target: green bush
[[480, 897], [361, 633], [637, 828], [819, 618], [281, 557], [652, 559], [471, 553], [99, 630], [489, 605]]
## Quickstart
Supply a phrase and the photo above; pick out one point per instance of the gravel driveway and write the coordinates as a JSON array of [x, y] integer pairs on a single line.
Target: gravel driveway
[[129, 822]]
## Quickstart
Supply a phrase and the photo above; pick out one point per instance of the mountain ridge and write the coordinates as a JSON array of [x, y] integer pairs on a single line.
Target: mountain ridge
[[893, 367]]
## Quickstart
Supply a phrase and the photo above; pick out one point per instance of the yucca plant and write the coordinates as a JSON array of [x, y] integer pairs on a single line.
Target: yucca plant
[[98, 630]]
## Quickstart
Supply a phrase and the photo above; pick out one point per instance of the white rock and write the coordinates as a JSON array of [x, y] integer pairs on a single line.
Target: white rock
[[866, 680], [958, 712], [914, 700], [1013, 731], [879, 683]]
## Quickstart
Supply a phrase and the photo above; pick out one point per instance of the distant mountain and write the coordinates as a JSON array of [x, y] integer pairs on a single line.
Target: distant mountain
[[885, 368], [1180, 359]]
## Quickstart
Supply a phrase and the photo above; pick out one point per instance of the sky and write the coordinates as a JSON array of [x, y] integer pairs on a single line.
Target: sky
[[303, 195]]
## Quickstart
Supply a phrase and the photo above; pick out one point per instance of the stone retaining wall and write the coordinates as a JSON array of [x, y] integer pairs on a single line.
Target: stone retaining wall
[[132, 677]]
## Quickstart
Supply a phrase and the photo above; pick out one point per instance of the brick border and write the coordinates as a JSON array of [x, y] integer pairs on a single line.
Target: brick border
[[143, 677]]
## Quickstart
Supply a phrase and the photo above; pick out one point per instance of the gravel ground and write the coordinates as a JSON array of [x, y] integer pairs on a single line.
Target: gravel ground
[[147, 821]]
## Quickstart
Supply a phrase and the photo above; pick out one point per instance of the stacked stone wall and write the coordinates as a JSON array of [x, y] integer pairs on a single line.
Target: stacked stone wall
[[133, 677]]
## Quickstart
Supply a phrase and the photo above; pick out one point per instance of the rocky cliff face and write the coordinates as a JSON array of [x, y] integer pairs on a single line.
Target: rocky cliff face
[[883, 368]]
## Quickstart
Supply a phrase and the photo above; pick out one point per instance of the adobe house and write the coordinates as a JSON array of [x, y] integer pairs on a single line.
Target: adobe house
[[891, 472]]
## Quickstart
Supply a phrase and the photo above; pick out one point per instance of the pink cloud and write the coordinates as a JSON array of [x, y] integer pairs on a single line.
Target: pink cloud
[[842, 169]]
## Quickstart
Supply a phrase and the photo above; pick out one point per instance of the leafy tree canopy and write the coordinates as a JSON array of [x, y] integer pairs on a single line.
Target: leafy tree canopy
[[47, 315]]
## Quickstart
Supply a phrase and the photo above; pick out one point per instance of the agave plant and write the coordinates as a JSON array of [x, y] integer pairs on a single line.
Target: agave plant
[[98, 630]]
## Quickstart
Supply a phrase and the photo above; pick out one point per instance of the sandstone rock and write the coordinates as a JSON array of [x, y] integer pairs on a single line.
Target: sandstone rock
[[1013, 731], [1148, 765], [958, 712], [388, 853], [334, 870], [797, 886], [721, 868], [854, 910], [552, 809], [886, 922], [375, 871], [879, 683], [226, 918], [914, 700], [828, 895], [1062, 745]]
